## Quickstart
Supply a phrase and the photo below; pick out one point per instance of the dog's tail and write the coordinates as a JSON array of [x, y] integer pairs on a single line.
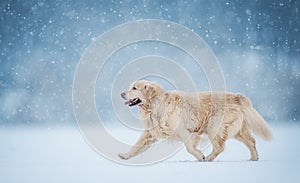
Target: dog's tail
[[255, 120]]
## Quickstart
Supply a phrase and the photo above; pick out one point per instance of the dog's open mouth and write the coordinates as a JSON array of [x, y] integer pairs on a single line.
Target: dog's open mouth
[[133, 102]]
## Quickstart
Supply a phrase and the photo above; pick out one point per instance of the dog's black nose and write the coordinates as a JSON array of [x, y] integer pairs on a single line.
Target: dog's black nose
[[123, 95]]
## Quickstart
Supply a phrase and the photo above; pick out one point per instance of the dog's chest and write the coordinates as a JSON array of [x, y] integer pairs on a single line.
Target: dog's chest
[[166, 118]]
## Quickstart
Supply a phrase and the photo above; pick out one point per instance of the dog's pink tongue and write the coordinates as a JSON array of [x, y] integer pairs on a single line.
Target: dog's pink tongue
[[128, 102]]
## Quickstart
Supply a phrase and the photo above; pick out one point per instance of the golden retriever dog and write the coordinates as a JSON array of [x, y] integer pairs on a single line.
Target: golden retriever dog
[[188, 116]]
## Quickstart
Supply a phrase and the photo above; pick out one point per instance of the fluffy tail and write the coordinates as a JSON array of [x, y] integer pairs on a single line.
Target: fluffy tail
[[255, 120]]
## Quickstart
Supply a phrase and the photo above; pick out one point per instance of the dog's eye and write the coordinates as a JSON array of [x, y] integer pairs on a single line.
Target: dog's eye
[[134, 88]]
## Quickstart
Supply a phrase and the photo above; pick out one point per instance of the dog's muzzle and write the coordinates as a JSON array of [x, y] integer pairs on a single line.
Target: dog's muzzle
[[131, 102]]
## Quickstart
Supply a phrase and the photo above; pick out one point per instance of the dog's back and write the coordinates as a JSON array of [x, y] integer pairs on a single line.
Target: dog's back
[[228, 107]]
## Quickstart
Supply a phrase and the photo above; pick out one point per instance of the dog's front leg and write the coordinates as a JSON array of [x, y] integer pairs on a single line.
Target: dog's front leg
[[140, 146], [191, 141], [164, 121]]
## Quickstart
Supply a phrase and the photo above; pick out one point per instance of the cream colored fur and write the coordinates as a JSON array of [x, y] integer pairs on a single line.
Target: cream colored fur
[[187, 116]]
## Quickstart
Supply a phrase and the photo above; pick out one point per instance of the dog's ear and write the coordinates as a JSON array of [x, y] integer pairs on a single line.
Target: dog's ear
[[150, 91], [148, 87]]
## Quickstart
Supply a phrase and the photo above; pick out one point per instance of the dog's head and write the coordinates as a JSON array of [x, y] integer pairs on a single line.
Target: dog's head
[[141, 92]]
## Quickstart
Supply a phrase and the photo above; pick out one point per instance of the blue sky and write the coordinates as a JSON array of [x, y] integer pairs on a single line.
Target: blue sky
[[256, 42]]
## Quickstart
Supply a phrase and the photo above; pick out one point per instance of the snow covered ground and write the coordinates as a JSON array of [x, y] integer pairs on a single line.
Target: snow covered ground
[[61, 155]]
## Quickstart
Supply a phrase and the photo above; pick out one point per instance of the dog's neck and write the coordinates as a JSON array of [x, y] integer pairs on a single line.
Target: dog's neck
[[153, 109], [155, 100], [148, 104]]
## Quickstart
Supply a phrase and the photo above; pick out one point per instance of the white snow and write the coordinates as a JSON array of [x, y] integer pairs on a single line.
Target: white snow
[[61, 155]]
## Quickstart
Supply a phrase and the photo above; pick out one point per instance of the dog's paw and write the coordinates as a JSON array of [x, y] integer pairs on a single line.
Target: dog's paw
[[253, 159], [124, 156], [209, 158], [202, 159]]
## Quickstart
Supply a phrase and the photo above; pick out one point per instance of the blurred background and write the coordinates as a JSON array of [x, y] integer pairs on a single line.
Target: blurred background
[[41, 41]]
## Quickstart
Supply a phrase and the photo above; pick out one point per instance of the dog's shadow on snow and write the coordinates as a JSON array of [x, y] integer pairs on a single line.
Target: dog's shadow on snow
[[217, 161]]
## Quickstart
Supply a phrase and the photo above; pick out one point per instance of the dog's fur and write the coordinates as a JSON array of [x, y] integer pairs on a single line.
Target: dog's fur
[[187, 116]]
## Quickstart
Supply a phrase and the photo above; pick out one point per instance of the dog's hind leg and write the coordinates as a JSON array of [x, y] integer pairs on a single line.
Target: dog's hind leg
[[218, 147], [245, 137], [218, 144], [140, 146]]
